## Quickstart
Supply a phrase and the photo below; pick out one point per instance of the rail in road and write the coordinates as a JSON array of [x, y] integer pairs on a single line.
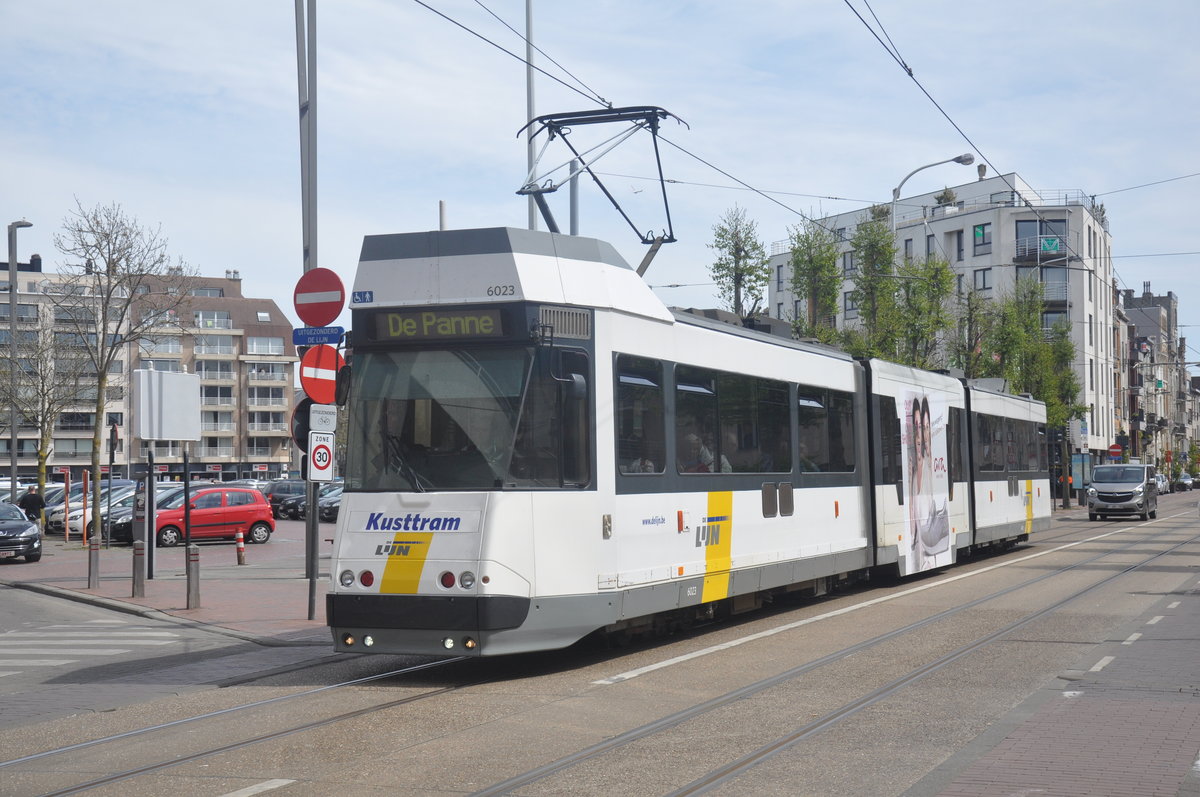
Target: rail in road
[[708, 711]]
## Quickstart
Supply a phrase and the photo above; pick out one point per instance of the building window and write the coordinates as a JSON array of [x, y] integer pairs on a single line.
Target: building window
[[983, 239], [264, 345], [848, 265], [213, 292], [778, 279], [851, 307], [264, 316], [908, 249], [779, 310], [213, 319], [796, 310], [840, 234], [930, 245], [958, 245], [983, 279], [171, 366]]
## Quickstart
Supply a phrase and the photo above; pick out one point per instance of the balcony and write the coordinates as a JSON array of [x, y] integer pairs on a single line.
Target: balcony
[[214, 451], [259, 451], [217, 401], [215, 376], [266, 401], [207, 348], [267, 427], [217, 426], [266, 376], [214, 323]]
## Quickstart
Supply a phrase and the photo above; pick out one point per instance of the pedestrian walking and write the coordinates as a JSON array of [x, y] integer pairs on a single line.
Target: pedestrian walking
[[32, 504]]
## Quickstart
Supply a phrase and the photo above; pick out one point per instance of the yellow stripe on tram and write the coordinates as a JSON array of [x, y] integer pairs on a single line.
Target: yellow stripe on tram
[[715, 533], [406, 560], [1028, 506]]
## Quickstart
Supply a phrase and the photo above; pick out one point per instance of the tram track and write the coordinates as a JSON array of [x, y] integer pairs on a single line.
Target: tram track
[[661, 725], [728, 772]]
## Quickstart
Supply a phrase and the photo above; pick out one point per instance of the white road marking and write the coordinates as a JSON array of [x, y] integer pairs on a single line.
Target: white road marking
[[62, 652], [1100, 665], [35, 662], [259, 788], [1173, 605], [135, 642], [91, 634], [9, 672], [1154, 620], [625, 676], [1132, 638]]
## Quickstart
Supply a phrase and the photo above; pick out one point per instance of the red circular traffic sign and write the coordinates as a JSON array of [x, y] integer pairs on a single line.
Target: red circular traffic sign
[[319, 297], [318, 373], [1115, 450]]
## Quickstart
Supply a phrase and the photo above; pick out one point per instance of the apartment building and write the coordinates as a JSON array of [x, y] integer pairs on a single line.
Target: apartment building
[[992, 232], [240, 347]]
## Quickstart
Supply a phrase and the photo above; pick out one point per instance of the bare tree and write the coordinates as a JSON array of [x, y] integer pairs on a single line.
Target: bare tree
[[119, 286], [48, 380]]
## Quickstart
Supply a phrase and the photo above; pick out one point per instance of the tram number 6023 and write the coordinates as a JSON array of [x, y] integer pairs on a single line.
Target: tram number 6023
[[502, 290]]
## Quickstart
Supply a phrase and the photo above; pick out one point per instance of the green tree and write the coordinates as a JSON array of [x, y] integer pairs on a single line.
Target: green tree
[[874, 292], [815, 278], [742, 270], [975, 318], [924, 288]]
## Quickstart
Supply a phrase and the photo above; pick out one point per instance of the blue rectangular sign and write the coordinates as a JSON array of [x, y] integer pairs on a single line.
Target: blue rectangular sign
[[362, 297], [317, 336]]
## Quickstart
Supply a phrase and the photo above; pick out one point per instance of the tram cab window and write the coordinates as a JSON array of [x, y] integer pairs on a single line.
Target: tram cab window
[[641, 419]]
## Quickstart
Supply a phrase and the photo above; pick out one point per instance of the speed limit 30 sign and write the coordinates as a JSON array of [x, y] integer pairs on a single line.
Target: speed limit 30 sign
[[320, 456]]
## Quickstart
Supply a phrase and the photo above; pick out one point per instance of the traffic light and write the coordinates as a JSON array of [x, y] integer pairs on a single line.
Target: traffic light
[[300, 425]]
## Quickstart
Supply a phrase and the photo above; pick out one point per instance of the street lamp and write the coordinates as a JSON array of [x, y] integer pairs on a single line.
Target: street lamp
[[966, 159], [12, 347]]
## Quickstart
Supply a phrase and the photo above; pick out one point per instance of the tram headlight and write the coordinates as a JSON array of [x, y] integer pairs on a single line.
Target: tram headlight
[[368, 640], [466, 579], [346, 578], [448, 643]]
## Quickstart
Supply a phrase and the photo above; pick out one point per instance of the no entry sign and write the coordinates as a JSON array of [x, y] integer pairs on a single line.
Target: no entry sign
[[318, 373], [1115, 451], [319, 297]]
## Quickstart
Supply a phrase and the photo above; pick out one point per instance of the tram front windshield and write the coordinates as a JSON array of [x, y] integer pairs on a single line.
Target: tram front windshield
[[452, 419]]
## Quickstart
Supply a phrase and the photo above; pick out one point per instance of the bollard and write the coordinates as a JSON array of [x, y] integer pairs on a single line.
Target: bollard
[[241, 549], [193, 577], [93, 563], [139, 569]]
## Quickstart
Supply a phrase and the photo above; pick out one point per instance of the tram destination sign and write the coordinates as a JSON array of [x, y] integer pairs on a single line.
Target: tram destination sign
[[438, 324]]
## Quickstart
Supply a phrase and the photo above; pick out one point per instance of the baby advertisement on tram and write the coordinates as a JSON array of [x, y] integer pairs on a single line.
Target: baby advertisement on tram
[[927, 485]]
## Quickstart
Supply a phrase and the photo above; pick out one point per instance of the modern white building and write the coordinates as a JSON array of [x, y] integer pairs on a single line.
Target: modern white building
[[993, 231]]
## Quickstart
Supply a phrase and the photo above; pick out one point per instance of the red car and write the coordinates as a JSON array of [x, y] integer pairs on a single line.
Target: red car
[[216, 512]]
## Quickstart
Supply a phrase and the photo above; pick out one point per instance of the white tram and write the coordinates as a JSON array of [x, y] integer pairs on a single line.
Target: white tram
[[538, 448]]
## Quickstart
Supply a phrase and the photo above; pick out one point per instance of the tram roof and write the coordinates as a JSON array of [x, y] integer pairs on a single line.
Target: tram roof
[[701, 318], [488, 241]]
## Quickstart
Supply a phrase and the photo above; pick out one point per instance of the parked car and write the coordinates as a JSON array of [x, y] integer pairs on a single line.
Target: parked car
[[257, 484], [1183, 482], [119, 527], [1163, 483], [216, 512], [56, 517], [291, 506], [329, 504], [19, 536], [278, 490], [76, 521], [324, 492]]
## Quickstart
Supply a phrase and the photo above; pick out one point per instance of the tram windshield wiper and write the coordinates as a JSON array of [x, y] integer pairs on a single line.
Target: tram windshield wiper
[[399, 462]]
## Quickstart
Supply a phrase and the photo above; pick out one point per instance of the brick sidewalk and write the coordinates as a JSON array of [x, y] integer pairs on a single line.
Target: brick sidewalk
[[266, 602]]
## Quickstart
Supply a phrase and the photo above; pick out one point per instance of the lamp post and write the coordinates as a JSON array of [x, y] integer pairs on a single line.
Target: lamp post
[[12, 348], [966, 159]]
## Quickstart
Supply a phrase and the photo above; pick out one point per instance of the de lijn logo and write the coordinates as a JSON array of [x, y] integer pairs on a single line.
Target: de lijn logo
[[396, 548], [709, 532]]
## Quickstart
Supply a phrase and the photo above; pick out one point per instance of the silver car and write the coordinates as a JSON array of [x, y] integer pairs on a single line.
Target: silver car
[[1123, 490]]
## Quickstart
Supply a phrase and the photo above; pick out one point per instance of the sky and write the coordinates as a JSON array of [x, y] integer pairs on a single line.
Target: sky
[[185, 114]]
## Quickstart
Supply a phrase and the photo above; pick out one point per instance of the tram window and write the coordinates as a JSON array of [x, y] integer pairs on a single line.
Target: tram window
[[697, 445], [640, 415], [826, 425], [1040, 442], [755, 424], [989, 443], [1010, 437], [954, 436], [890, 446]]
